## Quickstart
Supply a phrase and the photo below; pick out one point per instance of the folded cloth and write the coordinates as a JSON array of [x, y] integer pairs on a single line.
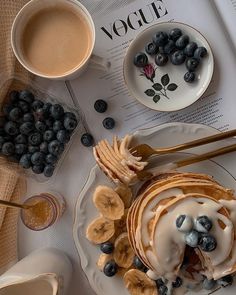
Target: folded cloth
[[12, 186]]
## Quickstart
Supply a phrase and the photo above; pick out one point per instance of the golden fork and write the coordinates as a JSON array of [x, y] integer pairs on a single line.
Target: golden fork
[[145, 150]]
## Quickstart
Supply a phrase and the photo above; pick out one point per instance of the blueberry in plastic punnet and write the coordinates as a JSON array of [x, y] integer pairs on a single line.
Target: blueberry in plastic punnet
[[26, 96], [8, 149], [11, 128], [56, 111], [203, 224], [169, 47], [87, 140], [57, 125], [33, 149], [107, 247], [207, 243], [40, 126], [160, 38], [175, 34], [161, 59], [20, 148], [38, 169], [70, 123], [182, 42], [15, 114], [108, 123], [70, 115], [151, 48], [140, 60], [110, 268], [35, 138], [192, 238], [46, 108], [24, 106], [28, 117], [63, 136], [189, 77], [37, 158], [44, 147], [55, 147], [190, 48], [51, 159], [178, 57], [100, 106], [200, 52], [25, 161], [49, 135], [7, 108], [2, 140], [192, 64], [48, 170], [37, 104], [26, 128]]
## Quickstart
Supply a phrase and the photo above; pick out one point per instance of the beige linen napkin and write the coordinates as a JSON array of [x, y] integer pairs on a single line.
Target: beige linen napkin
[[12, 187]]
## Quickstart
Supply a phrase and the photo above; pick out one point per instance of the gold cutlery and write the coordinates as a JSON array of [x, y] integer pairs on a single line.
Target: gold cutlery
[[13, 205]]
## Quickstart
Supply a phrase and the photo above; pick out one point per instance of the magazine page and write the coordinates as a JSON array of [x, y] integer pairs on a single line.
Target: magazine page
[[227, 11], [115, 29]]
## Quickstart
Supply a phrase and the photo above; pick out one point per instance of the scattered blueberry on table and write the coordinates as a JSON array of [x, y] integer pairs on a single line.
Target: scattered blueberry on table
[[34, 132], [87, 139], [100, 106], [108, 123]]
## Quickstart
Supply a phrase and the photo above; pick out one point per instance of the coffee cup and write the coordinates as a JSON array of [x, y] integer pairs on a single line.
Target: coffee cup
[[55, 39]]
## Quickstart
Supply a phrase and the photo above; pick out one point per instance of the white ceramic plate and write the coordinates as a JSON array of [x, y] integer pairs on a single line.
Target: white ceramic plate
[[141, 87], [85, 211]]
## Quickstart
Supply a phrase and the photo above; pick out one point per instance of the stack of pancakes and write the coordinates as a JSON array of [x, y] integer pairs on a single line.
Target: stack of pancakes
[[153, 234]]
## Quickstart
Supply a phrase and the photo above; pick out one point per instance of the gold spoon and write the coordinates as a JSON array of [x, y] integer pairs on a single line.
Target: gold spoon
[[13, 205]]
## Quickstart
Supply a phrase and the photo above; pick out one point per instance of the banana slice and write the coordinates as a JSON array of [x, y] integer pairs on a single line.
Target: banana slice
[[120, 225], [125, 194], [108, 202], [100, 230], [123, 253], [137, 282], [103, 259]]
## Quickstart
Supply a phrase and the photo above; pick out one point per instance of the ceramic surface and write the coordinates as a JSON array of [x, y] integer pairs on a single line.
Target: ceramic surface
[[175, 93]]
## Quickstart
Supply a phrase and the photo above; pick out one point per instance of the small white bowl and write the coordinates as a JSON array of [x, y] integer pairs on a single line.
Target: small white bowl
[[175, 98]]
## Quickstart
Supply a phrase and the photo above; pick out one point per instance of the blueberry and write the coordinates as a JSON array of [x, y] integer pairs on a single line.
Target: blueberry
[[177, 283], [24, 106], [39, 114], [175, 34], [70, 115], [200, 52], [161, 49], [110, 268], [190, 48], [15, 114], [38, 169], [169, 47], [184, 223], [207, 243], [160, 39], [26, 96], [70, 123], [25, 161], [163, 290], [51, 159], [48, 170], [108, 123], [192, 64], [46, 109], [151, 48], [26, 128], [63, 136], [49, 135], [37, 104], [55, 148], [140, 60], [226, 281], [21, 139], [56, 111], [100, 106], [87, 139], [107, 247], [178, 57], [161, 59], [203, 224], [7, 108], [28, 117], [14, 96], [8, 148], [40, 126], [44, 147], [192, 238], [138, 264], [2, 140], [189, 77], [20, 148], [49, 122], [33, 149], [208, 284], [182, 42], [57, 125], [35, 138], [11, 128], [37, 158]]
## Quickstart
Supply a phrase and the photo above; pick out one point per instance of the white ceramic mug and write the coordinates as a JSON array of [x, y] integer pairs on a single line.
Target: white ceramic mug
[[30, 9]]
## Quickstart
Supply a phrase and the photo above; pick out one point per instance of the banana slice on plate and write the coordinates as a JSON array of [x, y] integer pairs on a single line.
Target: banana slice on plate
[[103, 259], [137, 282], [123, 253], [100, 230], [125, 194], [108, 202]]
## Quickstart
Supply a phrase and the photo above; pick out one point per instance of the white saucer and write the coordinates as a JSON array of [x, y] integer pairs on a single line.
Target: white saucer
[[169, 100]]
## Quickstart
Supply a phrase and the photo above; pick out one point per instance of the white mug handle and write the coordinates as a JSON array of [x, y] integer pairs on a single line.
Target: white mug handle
[[99, 63]]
